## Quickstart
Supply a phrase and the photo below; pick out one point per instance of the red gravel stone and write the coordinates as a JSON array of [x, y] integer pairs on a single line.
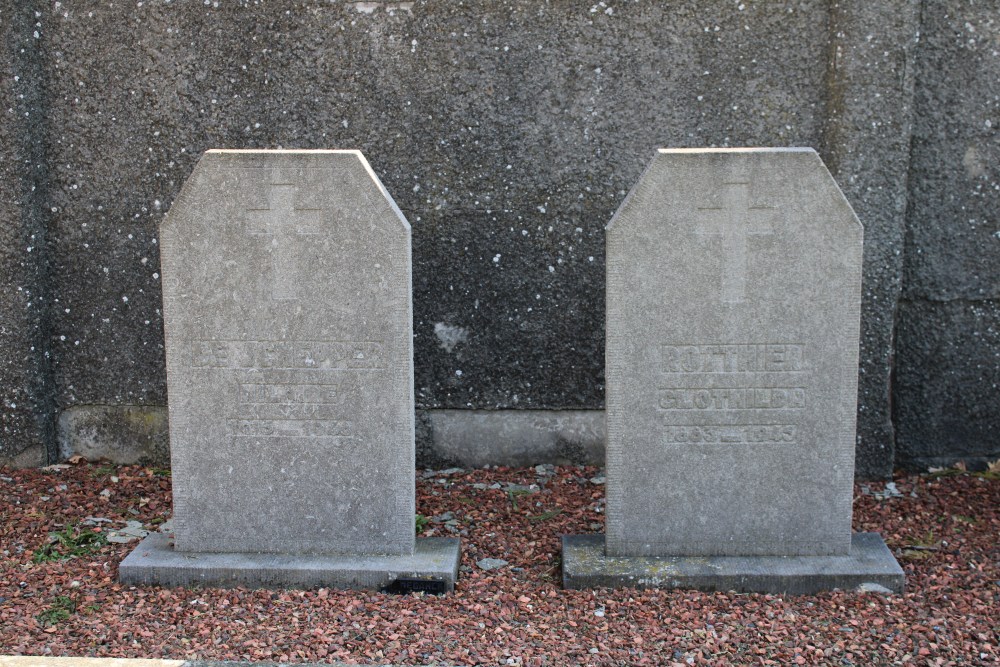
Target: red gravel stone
[[943, 530]]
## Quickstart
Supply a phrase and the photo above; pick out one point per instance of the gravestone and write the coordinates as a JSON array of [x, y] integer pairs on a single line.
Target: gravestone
[[287, 314], [733, 316]]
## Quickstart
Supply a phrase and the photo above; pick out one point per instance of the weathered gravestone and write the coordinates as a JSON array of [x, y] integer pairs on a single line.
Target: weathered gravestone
[[287, 314], [733, 314]]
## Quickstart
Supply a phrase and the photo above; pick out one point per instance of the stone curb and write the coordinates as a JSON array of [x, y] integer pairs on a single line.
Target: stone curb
[[63, 661]]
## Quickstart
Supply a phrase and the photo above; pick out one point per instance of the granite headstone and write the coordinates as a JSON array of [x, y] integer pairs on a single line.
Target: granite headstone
[[287, 314], [733, 311]]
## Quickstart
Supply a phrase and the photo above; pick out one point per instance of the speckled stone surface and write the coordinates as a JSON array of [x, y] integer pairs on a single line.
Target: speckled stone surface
[[26, 393], [585, 565], [156, 562], [734, 291], [289, 357], [508, 133], [947, 382]]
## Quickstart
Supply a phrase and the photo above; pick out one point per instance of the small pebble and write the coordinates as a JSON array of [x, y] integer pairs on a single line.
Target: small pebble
[[872, 587], [491, 563]]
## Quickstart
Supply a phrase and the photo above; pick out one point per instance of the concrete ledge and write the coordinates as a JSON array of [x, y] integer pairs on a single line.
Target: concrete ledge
[[124, 434], [869, 566], [155, 562], [62, 661], [67, 661], [474, 438]]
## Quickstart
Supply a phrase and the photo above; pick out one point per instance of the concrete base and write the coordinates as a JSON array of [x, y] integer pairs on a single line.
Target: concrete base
[[155, 562], [869, 566], [474, 438]]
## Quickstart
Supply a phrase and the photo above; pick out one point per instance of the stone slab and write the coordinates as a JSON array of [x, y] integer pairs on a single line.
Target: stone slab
[[156, 562], [287, 315], [733, 310], [77, 661], [121, 434], [585, 565], [474, 438]]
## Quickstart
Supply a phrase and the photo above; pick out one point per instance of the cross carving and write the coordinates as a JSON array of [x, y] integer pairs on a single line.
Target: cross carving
[[735, 220], [280, 223]]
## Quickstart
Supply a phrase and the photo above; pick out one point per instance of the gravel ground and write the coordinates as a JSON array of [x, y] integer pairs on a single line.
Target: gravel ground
[[508, 608]]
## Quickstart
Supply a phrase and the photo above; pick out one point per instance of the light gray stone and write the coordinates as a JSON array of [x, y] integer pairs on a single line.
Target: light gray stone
[[475, 438], [123, 434], [869, 567], [734, 286], [286, 293], [433, 566], [733, 308], [491, 563]]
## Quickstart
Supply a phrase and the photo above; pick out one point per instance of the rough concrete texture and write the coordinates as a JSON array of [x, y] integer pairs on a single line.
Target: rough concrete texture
[[869, 562], [865, 144], [155, 562], [122, 434], [948, 382], [946, 397], [474, 438], [25, 381], [507, 132]]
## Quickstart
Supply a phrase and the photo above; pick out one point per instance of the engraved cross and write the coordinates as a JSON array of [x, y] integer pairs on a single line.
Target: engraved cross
[[281, 222], [735, 220]]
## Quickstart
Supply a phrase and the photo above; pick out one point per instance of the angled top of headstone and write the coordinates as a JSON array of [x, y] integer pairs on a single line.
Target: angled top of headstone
[[733, 314], [286, 289]]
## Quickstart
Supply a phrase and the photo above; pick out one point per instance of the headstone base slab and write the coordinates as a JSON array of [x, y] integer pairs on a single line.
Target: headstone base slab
[[585, 565], [155, 562]]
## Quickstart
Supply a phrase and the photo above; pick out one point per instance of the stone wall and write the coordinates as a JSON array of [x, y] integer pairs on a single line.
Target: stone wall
[[947, 371], [508, 133], [27, 429]]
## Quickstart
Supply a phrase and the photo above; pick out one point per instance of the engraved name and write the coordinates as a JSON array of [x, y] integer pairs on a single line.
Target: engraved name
[[749, 358], [332, 355], [329, 394], [753, 398]]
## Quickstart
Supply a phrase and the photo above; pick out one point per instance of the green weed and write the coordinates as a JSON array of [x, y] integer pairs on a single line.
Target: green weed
[[60, 610], [513, 494], [70, 543], [545, 516]]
